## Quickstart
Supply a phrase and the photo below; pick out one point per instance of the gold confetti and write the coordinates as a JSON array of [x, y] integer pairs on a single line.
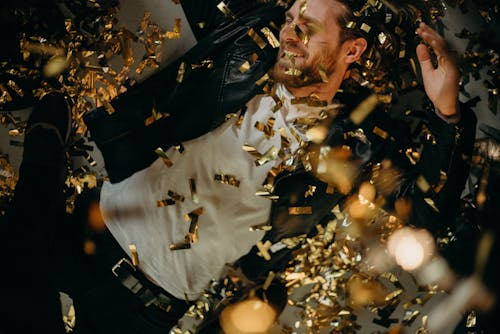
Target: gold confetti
[[364, 109], [300, 210], [264, 249], [176, 33], [192, 188], [266, 128], [442, 181], [225, 10], [381, 133], [256, 38], [271, 154], [310, 191], [261, 227], [133, 254], [227, 179], [180, 245], [422, 184], [271, 38], [365, 27], [165, 202], [180, 72], [159, 151]]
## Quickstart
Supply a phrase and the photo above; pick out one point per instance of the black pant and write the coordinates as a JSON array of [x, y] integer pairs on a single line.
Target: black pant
[[42, 251]]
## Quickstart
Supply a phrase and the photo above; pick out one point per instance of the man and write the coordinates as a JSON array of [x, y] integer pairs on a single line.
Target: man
[[205, 177]]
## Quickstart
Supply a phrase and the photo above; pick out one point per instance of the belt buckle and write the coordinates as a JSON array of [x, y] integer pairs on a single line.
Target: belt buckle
[[119, 264]]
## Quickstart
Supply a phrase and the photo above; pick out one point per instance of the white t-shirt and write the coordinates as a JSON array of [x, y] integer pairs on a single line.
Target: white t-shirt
[[132, 215]]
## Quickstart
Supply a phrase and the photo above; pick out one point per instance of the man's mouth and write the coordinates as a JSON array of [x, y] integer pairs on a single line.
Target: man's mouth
[[292, 55]]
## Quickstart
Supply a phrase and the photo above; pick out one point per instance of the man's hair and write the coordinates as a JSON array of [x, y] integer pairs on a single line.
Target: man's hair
[[347, 15]]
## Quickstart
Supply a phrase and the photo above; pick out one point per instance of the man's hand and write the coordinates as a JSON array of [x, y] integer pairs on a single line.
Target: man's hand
[[441, 83]]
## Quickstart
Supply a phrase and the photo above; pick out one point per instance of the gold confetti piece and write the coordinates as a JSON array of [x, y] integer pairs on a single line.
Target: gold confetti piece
[[262, 80], [381, 133], [176, 33], [256, 38], [269, 279], [225, 10], [412, 155], [245, 66], [410, 317], [266, 128], [310, 191], [442, 181], [13, 85], [422, 184], [159, 151], [364, 109], [180, 72], [471, 320], [271, 38], [293, 72], [133, 254], [267, 195], [165, 202], [251, 150], [300, 210], [365, 27], [227, 179], [261, 227], [263, 249], [193, 214], [175, 196], [192, 188], [431, 203], [271, 154], [201, 24], [180, 245]]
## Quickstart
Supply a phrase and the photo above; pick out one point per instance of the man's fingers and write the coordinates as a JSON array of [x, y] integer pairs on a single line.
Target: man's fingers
[[424, 58]]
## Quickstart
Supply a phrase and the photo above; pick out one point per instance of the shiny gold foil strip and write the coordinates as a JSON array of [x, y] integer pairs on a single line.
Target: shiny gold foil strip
[[256, 38], [381, 133], [192, 188], [227, 179], [159, 151], [271, 38], [263, 249], [271, 154], [225, 10], [442, 181], [133, 254], [300, 210], [422, 184], [180, 245], [181, 72], [165, 202]]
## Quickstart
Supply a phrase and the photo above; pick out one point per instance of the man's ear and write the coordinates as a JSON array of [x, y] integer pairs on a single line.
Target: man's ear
[[354, 48]]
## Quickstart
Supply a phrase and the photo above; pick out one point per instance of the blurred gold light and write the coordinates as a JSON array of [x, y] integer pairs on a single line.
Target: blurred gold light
[[248, 316], [411, 248]]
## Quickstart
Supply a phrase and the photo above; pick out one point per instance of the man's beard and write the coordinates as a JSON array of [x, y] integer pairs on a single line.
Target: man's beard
[[310, 71]]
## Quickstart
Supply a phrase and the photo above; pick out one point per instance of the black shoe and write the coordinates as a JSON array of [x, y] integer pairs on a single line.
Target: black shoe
[[48, 130]]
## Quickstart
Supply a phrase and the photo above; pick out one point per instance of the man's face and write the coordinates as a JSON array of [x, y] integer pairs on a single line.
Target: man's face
[[309, 43]]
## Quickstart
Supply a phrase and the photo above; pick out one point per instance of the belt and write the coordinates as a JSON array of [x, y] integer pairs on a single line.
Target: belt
[[148, 293]]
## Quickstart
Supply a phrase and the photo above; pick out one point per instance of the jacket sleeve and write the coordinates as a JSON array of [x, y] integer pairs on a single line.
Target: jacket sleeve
[[439, 178]]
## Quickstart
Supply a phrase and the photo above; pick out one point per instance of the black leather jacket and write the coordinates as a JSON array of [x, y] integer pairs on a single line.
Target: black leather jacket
[[198, 98]]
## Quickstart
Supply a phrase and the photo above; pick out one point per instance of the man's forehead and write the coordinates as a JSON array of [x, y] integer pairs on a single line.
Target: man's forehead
[[314, 10]]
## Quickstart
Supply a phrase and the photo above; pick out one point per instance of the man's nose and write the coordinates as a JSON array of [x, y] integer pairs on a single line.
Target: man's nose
[[289, 33]]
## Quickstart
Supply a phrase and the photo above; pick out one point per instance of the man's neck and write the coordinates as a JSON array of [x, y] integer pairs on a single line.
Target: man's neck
[[324, 91]]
